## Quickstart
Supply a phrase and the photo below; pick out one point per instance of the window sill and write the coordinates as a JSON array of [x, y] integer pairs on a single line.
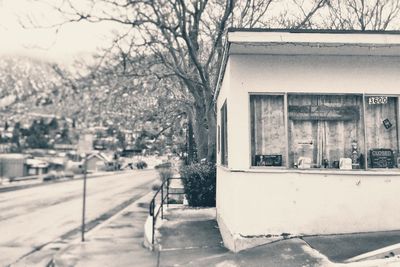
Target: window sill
[[393, 171]]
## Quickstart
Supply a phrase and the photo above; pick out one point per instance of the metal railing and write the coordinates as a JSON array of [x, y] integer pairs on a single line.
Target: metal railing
[[161, 197]]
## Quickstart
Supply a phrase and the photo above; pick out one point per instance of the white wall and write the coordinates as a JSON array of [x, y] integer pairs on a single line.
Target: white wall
[[222, 97], [254, 202], [304, 202]]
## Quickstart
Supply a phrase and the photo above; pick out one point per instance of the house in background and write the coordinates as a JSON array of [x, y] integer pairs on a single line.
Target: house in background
[[308, 134], [13, 165], [99, 162], [37, 166]]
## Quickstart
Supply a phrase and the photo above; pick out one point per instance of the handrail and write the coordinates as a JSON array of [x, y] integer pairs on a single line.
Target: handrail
[[152, 209]]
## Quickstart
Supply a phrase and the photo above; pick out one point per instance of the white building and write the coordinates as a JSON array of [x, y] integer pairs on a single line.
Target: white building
[[308, 135]]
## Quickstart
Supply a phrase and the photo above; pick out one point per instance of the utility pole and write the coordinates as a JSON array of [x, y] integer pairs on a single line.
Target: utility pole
[[85, 145], [84, 198]]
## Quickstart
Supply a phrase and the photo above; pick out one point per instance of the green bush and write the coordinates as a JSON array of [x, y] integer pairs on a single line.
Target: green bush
[[199, 183]]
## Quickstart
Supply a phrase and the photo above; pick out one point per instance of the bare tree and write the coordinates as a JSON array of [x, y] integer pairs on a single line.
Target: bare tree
[[362, 14], [185, 40]]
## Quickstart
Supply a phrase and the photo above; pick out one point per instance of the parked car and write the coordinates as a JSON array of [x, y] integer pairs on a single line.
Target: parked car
[[69, 174], [141, 164], [51, 176]]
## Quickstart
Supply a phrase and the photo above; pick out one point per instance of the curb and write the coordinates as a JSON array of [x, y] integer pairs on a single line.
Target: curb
[[375, 253], [62, 180]]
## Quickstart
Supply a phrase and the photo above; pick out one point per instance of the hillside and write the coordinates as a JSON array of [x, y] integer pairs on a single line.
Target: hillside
[[31, 88]]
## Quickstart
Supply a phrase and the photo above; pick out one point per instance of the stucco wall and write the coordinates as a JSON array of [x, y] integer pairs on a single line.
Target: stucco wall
[[222, 97], [307, 202], [252, 202]]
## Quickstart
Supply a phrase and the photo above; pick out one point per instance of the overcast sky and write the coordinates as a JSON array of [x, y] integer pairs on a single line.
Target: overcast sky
[[73, 40]]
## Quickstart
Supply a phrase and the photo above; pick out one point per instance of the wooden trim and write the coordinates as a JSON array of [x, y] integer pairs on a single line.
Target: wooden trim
[[286, 118], [250, 131], [365, 133], [398, 127]]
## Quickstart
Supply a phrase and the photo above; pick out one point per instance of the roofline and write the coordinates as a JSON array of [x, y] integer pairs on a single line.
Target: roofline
[[285, 31], [327, 31], [222, 68]]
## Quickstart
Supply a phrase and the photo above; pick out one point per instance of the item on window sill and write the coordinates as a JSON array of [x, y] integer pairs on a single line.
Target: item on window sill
[[382, 158], [361, 161], [335, 164], [326, 163], [355, 166], [304, 163], [354, 152], [398, 162], [268, 160], [345, 164]]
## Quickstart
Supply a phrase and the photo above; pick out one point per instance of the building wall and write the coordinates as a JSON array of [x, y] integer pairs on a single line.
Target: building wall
[[262, 202], [12, 167], [222, 97], [92, 163], [307, 202]]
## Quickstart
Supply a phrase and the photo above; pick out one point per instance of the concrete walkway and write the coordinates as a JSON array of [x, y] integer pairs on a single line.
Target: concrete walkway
[[115, 243], [190, 237], [341, 248]]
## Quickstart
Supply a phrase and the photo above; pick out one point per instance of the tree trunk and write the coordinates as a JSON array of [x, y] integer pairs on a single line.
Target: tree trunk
[[204, 126], [200, 131], [211, 120], [190, 141]]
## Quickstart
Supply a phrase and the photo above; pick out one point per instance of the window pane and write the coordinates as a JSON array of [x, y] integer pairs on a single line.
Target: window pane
[[326, 131], [381, 126], [224, 135], [268, 137]]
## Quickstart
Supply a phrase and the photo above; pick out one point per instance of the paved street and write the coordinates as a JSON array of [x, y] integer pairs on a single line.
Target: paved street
[[34, 217]]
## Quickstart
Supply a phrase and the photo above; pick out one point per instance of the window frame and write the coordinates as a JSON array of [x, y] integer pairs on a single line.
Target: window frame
[[364, 149], [285, 118], [397, 118], [223, 140]]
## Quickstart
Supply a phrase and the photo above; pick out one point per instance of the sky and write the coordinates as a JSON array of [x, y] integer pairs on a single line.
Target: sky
[[70, 42]]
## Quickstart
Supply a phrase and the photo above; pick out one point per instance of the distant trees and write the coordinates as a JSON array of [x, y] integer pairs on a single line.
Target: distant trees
[[53, 124], [16, 135], [177, 45], [40, 134], [64, 136]]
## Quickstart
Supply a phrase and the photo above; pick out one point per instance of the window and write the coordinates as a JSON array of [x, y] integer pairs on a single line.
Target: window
[[224, 135], [381, 120], [268, 136], [326, 131]]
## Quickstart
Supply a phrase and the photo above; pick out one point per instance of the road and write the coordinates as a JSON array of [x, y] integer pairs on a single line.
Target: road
[[33, 217]]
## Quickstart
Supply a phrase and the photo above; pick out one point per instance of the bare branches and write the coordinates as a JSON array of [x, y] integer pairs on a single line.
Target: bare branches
[[363, 15], [306, 23]]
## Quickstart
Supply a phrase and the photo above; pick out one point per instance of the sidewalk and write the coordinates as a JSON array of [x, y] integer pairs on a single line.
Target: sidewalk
[[190, 237], [116, 243]]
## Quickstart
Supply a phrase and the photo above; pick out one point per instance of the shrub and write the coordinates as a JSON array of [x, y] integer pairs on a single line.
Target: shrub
[[199, 184]]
